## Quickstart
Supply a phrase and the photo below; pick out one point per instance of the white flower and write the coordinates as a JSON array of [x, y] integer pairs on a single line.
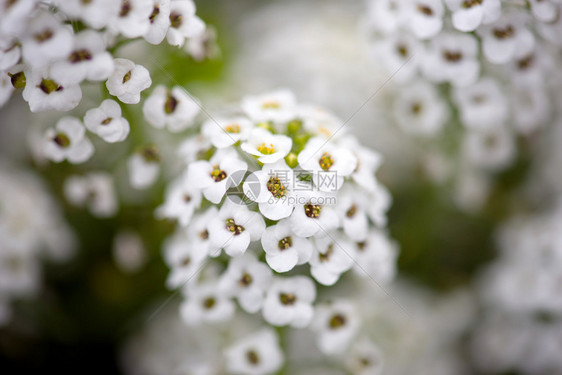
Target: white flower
[[380, 201], [205, 304], [159, 22], [425, 17], [67, 141], [257, 354], [132, 20], [198, 232], [331, 258], [216, 176], [46, 40], [328, 163], [15, 16], [317, 121], [234, 228], [375, 257], [106, 121], [368, 162], [492, 148], [271, 188], [96, 13], [469, 14], [336, 324], [278, 106], [452, 58], [128, 80], [224, 132], [482, 105], [183, 22], [531, 109], [129, 252], [184, 259], [195, 148], [182, 199], [267, 147], [6, 89], [551, 30], [544, 10], [43, 93], [420, 110], [504, 38], [313, 214], [284, 249], [352, 208], [19, 273], [400, 54], [247, 279], [365, 358], [144, 167], [289, 302], [387, 16], [173, 108], [96, 190], [87, 59], [10, 54]]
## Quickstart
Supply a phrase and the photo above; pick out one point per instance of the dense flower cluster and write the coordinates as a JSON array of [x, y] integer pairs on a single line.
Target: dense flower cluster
[[50, 49], [494, 63], [31, 228], [284, 196], [522, 329]]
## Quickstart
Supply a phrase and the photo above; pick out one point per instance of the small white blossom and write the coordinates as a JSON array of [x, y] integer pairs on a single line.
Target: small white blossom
[[267, 147], [43, 93], [174, 108], [198, 232], [67, 141], [96, 190], [368, 162], [284, 249], [159, 22], [10, 54], [278, 106], [425, 17], [387, 16], [184, 24], [247, 279], [224, 132], [194, 148], [144, 167], [257, 354], [128, 80], [132, 20], [332, 257], [15, 16], [469, 14], [205, 304], [234, 228], [545, 10], [106, 121], [129, 252], [375, 257], [289, 302], [313, 214], [184, 259], [400, 54], [181, 200], [491, 148], [365, 358], [96, 13], [482, 105], [531, 109], [336, 324], [6, 89], [216, 176], [352, 208]]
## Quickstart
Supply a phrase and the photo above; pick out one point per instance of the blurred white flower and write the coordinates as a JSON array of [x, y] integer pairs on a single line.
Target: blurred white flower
[[184, 24], [132, 20], [205, 303], [67, 141], [129, 252], [375, 257], [174, 109], [107, 122], [313, 214], [492, 148], [180, 202], [144, 167], [96, 190], [425, 17], [224, 132], [96, 13], [267, 147], [128, 80], [482, 105], [469, 14], [43, 93], [336, 324], [289, 302], [277, 106], [332, 257], [256, 354], [159, 22], [184, 259]]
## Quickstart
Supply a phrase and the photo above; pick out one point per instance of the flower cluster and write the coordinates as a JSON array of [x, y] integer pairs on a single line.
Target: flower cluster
[[279, 197], [521, 293], [31, 227], [50, 49], [492, 62]]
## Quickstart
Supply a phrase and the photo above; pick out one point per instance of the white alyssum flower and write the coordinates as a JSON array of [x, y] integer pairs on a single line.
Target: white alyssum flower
[[278, 106], [328, 163], [368, 163], [15, 16], [144, 167], [225, 132], [128, 80], [184, 24], [332, 257], [425, 17], [256, 354], [247, 279], [67, 140], [336, 324], [365, 358], [289, 302], [452, 57], [284, 249], [483, 105], [87, 59], [107, 122], [492, 148], [95, 13], [46, 40], [420, 110], [469, 14], [545, 10], [267, 147], [375, 257], [198, 232], [234, 228], [133, 18], [352, 208], [216, 176], [96, 190], [184, 258], [159, 22], [129, 252], [174, 109], [10, 54], [387, 16], [43, 93], [272, 189], [313, 214], [205, 303], [181, 201], [531, 109], [6, 89], [400, 54], [504, 38]]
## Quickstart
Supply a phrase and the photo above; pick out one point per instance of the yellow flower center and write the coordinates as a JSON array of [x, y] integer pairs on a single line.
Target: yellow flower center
[[266, 149], [326, 161]]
